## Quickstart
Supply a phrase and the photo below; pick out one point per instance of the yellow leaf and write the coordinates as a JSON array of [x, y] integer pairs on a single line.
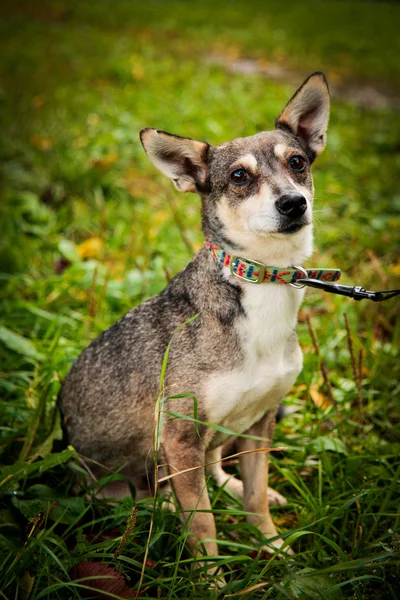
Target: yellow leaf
[[301, 387], [395, 269], [318, 398], [90, 248]]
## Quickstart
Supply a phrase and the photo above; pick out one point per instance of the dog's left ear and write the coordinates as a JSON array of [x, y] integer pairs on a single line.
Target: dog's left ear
[[307, 114], [181, 159]]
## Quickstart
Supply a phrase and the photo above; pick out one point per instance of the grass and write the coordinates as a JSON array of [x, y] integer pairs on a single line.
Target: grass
[[88, 229]]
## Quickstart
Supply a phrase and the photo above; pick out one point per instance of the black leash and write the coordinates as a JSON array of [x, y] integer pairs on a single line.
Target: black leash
[[356, 291]]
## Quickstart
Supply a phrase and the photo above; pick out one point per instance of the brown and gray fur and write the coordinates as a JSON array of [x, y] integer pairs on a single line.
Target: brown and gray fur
[[240, 356]]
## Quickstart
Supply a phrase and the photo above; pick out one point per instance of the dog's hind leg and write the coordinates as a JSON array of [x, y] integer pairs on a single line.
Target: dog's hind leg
[[221, 478], [232, 483]]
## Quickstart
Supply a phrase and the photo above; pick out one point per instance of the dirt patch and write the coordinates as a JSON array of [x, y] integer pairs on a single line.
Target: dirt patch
[[364, 95]]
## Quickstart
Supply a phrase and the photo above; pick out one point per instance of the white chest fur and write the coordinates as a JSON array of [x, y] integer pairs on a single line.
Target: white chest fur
[[238, 397]]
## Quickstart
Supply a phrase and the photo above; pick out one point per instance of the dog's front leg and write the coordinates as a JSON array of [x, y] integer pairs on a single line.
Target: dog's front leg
[[191, 492], [254, 473]]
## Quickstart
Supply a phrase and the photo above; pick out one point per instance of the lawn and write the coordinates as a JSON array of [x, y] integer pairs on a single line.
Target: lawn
[[89, 229]]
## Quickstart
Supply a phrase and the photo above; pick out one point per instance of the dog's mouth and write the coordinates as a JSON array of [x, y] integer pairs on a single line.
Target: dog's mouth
[[292, 228]]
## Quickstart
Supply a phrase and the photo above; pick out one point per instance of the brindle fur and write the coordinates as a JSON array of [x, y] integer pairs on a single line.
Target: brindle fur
[[108, 398]]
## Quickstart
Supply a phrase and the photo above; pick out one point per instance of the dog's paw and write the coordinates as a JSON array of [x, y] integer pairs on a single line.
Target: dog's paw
[[275, 498]]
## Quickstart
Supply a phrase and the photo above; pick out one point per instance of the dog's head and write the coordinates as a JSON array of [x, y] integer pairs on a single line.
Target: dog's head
[[257, 191]]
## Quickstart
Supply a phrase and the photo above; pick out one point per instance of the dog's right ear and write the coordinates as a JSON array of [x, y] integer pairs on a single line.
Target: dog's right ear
[[306, 115], [181, 159]]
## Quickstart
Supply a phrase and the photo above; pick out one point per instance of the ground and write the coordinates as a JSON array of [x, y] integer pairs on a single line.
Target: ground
[[89, 229]]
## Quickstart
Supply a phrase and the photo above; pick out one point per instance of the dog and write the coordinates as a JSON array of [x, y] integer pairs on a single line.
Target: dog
[[240, 356]]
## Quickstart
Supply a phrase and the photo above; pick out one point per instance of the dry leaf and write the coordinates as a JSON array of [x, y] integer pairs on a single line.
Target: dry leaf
[[318, 397], [110, 581]]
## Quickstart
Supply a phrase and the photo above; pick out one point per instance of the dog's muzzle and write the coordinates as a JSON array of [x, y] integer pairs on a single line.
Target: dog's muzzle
[[292, 207]]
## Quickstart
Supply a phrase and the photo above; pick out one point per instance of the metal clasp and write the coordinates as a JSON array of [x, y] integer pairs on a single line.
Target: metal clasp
[[259, 266], [300, 285]]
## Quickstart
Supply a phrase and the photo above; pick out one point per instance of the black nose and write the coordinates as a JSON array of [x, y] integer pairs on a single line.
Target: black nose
[[292, 205]]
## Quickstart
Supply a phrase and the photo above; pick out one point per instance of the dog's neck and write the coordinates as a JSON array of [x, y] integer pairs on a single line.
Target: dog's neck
[[275, 249]]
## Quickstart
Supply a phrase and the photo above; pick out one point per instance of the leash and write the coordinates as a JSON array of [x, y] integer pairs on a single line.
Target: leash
[[351, 291], [253, 271]]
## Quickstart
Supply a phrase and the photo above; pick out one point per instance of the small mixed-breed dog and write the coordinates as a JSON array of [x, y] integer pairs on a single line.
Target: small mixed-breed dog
[[240, 356]]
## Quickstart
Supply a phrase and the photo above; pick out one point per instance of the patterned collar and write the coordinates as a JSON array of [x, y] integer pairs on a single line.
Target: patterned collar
[[256, 272]]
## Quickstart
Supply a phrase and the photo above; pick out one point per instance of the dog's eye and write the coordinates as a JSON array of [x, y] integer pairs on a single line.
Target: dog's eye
[[298, 164], [239, 177]]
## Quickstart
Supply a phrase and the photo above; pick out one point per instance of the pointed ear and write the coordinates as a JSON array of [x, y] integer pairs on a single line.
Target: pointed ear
[[306, 115], [181, 159]]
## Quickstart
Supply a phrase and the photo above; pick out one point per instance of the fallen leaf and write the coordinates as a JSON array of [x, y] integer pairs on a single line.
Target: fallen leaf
[[318, 397], [90, 248], [106, 579]]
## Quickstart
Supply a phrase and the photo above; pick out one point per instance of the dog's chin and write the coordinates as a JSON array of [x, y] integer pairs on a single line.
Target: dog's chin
[[284, 230], [292, 228]]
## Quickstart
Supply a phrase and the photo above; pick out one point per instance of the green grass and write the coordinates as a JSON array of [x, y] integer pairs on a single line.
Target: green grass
[[89, 229]]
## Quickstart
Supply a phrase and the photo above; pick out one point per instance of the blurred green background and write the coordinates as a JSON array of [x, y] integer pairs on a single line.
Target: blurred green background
[[88, 228]]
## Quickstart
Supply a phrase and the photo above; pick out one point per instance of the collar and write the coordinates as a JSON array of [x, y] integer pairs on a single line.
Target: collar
[[256, 272]]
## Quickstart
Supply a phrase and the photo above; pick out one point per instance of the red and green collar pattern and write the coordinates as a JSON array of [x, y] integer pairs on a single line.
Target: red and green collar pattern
[[256, 272]]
